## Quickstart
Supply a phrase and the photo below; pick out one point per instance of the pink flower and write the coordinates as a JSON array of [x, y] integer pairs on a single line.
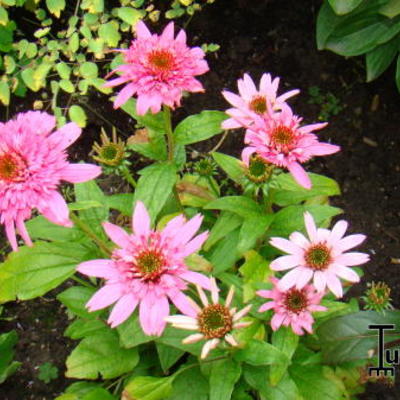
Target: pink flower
[[213, 322], [292, 307], [253, 102], [322, 257], [281, 141], [158, 69], [148, 267], [33, 161]]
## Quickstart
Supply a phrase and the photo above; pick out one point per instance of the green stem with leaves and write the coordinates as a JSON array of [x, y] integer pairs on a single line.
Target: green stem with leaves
[[128, 176], [170, 134], [90, 234]]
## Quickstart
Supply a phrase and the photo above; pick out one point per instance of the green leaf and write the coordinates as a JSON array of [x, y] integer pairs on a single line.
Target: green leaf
[[47, 372], [3, 16], [4, 93], [240, 205], [398, 73], [55, 6], [75, 299], [123, 202], [110, 34], [391, 9], [130, 15], [223, 376], [313, 384], [155, 186], [344, 6], [224, 254], [81, 328], [131, 333], [348, 338], [7, 366], [89, 70], [199, 127], [29, 80], [190, 385], [173, 337], [379, 59], [168, 356], [231, 166], [86, 391], [73, 43], [77, 114], [67, 86], [252, 230], [290, 192], [33, 271], [148, 388], [63, 70], [93, 6], [291, 218], [100, 354]]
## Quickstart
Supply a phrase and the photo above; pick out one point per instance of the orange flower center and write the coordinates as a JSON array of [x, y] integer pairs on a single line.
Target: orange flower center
[[161, 60], [258, 104], [296, 300], [149, 264], [318, 257], [12, 167], [215, 321], [283, 138]]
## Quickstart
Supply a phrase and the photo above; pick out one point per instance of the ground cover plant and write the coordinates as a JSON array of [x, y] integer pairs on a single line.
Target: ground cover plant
[[213, 257]]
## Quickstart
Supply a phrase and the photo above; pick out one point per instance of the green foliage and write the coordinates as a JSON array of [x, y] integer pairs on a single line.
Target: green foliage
[[7, 365], [47, 372], [361, 27]]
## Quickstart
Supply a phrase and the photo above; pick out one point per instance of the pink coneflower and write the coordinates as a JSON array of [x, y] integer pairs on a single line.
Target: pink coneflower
[[292, 307], [213, 322], [281, 140], [253, 101], [148, 267], [33, 161], [321, 257], [158, 69]]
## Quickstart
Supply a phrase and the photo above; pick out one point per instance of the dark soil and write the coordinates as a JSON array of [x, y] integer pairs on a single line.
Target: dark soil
[[277, 37]]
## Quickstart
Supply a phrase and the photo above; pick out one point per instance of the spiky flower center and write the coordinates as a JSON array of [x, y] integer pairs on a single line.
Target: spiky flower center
[[12, 167], [318, 257], [259, 170], [283, 138], [109, 152], [150, 264], [215, 321], [296, 300], [161, 60], [258, 104]]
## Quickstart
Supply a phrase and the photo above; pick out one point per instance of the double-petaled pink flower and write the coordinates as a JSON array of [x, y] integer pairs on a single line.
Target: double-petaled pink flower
[[252, 102], [292, 307], [321, 257], [158, 69], [147, 269], [280, 140], [33, 162]]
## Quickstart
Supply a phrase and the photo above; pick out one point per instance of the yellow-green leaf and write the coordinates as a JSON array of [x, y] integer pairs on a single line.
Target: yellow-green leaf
[[78, 115], [4, 93]]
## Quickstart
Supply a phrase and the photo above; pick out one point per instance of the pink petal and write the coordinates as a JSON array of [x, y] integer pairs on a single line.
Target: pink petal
[[287, 95], [197, 279], [168, 33], [233, 99], [250, 86], [56, 210], [320, 281], [277, 320], [118, 235], [310, 226], [300, 175], [98, 268], [77, 173], [152, 312], [299, 239], [123, 309], [351, 259], [334, 285], [144, 103], [346, 273], [141, 220], [195, 244], [290, 279], [142, 31], [230, 123], [338, 230], [286, 245], [349, 242], [124, 95], [312, 127], [267, 306], [304, 277], [187, 231], [323, 149], [11, 236], [183, 304], [181, 36], [23, 232], [285, 262], [246, 153], [107, 295], [66, 135]]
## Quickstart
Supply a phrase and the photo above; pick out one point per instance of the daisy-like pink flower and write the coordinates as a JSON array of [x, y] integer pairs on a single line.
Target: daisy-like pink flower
[[292, 307], [147, 267], [281, 141], [252, 101], [33, 162], [213, 322], [321, 257], [158, 69]]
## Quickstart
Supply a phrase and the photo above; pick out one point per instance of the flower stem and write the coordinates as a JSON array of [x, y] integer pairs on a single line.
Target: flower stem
[[82, 281], [128, 176], [170, 135], [90, 234]]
